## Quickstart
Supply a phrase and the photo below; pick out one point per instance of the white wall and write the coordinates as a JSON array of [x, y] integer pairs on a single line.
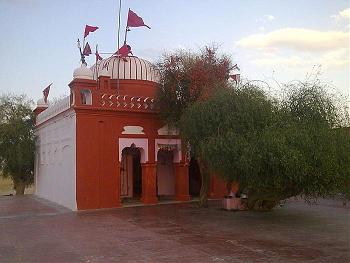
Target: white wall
[[55, 171], [140, 143]]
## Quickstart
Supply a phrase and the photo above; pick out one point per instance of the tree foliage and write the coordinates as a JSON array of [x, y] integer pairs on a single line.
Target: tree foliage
[[17, 144], [188, 77], [274, 149]]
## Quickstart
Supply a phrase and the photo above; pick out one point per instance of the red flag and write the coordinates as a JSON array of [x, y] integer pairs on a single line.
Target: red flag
[[46, 92], [89, 29], [134, 20], [87, 50], [98, 57], [236, 77], [124, 51]]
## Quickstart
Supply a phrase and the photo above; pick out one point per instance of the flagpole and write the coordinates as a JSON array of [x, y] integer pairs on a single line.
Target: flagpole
[[96, 63], [126, 29], [82, 57], [126, 33], [84, 44], [120, 7]]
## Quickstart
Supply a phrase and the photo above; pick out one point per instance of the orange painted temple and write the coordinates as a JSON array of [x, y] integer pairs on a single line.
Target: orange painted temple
[[105, 144]]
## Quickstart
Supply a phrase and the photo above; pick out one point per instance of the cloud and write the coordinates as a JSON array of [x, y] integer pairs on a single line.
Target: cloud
[[335, 59], [292, 61], [265, 19], [329, 60], [344, 14], [298, 39], [343, 18], [269, 17]]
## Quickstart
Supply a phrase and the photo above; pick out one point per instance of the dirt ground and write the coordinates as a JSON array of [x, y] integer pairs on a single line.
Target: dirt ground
[[34, 230]]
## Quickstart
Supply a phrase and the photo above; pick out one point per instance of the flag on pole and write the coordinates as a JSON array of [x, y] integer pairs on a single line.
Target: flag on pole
[[124, 51], [98, 57], [87, 50], [89, 29], [46, 92], [236, 78], [134, 20], [235, 73]]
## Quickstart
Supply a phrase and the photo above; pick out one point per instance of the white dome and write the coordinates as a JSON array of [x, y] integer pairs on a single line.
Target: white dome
[[103, 72], [132, 67], [82, 73]]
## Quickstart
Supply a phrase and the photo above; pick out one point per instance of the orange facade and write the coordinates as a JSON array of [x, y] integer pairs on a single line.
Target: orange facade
[[98, 129], [113, 115]]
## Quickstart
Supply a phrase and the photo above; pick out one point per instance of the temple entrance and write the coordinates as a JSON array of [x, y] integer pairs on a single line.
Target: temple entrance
[[130, 174], [165, 174], [195, 179]]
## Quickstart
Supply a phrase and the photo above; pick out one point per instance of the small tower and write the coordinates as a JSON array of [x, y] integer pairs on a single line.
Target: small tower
[[41, 105], [83, 88]]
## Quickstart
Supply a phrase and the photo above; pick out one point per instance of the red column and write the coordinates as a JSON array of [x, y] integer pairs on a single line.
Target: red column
[[118, 200], [181, 182], [149, 183]]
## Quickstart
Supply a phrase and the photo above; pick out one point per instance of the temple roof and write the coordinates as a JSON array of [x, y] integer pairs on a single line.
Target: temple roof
[[130, 68]]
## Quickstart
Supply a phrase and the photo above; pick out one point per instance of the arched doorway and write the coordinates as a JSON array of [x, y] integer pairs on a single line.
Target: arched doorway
[[195, 179], [165, 174], [131, 174]]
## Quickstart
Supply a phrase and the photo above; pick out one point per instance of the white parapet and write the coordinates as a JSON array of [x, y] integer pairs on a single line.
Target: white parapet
[[53, 110]]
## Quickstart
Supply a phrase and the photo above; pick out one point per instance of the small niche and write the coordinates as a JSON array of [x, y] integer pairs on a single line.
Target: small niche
[[86, 97]]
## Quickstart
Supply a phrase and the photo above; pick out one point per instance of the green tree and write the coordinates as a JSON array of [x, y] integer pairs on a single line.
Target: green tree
[[188, 77], [17, 144], [274, 149]]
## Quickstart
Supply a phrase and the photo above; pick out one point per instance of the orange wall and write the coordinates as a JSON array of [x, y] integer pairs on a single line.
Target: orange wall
[[97, 153], [135, 87]]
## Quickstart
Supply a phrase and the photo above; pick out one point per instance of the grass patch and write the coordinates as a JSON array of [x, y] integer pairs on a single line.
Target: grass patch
[[6, 187]]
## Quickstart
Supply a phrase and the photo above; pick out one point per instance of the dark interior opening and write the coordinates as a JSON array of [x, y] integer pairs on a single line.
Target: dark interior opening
[[195, 179]]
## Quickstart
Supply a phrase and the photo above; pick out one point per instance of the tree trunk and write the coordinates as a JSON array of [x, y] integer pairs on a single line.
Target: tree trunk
[[203, 195], [252, 200], [19, 187]]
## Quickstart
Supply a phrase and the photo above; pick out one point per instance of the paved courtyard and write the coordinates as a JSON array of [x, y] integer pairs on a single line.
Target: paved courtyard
[[33, 230]]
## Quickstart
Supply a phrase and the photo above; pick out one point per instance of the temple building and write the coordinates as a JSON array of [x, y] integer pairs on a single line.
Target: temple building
[[106, 144]]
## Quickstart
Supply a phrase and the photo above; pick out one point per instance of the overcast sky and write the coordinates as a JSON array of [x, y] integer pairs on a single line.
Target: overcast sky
[[270, 40]]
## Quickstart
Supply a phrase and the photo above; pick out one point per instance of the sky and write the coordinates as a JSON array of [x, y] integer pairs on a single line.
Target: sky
[[273, 41]]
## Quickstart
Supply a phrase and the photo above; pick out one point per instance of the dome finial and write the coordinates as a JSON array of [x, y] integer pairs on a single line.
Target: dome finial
[[82, 57], [83, 72]]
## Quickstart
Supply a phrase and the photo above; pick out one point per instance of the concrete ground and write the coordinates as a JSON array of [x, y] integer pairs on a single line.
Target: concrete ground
[[33, 230]]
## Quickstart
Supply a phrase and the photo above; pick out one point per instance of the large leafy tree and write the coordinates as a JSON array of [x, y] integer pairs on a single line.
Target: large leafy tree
[[17, 144], [188, 77], [274, 149]]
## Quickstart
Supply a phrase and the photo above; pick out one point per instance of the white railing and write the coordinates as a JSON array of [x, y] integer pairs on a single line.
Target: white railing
[[53, 110]]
